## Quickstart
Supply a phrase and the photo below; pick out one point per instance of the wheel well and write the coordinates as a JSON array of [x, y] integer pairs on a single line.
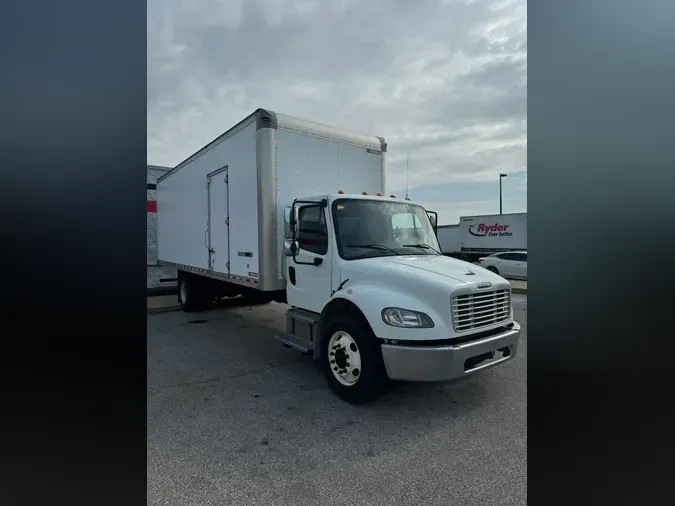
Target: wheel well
[[333, 309]]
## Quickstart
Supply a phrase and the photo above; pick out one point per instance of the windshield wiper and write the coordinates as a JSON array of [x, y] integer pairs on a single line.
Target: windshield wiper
[[422, 246], [373, 246]]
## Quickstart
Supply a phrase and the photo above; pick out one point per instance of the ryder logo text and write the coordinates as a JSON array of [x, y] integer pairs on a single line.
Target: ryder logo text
[[496, 230]]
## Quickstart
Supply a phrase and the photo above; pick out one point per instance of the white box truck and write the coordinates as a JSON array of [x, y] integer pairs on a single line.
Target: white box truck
[[295, 211]]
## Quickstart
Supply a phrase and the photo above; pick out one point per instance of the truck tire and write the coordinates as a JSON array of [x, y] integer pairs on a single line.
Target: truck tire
[[190, 297], [352, 361]]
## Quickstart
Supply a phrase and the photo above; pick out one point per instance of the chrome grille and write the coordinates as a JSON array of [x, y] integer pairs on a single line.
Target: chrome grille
[[480, 309]]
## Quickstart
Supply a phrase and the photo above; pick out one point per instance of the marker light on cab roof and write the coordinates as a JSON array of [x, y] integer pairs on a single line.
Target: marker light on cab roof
[[340, 192], [379, 194], [364, 193], [392, 196]]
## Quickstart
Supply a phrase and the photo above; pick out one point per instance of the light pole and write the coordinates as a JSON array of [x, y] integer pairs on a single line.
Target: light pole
[[501, 176]]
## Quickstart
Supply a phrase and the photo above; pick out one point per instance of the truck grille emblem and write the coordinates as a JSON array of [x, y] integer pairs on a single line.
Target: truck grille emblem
[[484, 285]]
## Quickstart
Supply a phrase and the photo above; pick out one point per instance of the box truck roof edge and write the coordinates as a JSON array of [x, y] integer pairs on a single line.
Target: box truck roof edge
[[266, 118]]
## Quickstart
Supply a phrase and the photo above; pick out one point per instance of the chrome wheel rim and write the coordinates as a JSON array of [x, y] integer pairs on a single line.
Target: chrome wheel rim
[[344, 358]]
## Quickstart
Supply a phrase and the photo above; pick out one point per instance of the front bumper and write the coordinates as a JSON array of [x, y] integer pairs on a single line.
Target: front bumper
[[442, 363]]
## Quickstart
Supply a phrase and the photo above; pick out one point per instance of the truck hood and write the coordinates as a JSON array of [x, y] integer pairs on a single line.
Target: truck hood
[[434, 269]]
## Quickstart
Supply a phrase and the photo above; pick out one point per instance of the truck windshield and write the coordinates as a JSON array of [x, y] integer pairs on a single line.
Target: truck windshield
[[373, 228]]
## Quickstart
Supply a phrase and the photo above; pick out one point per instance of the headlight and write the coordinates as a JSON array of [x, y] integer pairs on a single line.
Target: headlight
[[397, 317]]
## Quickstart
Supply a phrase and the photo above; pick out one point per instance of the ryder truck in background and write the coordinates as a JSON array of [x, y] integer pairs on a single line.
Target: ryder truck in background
[[284, 209], [479, 236]]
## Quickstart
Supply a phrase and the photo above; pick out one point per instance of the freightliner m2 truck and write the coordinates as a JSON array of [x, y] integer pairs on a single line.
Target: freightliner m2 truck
[[284, 209]]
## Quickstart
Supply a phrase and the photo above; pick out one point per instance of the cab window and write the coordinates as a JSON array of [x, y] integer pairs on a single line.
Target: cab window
[[407, 228], [312, 230]]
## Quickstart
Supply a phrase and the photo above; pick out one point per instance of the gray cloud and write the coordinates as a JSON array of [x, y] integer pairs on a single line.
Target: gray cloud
[[445, 79]]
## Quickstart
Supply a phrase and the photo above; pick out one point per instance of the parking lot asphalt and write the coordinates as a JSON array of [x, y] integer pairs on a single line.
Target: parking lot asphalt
[[235, 418]]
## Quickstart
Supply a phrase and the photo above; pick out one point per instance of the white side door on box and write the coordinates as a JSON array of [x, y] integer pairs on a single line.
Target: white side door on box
[[218, 226]]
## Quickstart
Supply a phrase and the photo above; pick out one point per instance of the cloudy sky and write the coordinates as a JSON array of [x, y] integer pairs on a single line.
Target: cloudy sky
[[444, 79]]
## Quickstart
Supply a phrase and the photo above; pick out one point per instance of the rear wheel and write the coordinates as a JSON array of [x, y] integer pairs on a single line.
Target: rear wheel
[[493, 269], [352, 361], [190, 296]]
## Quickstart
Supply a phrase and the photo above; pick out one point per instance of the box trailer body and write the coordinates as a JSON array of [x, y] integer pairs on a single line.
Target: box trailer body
[[221, 211], [449, 240], [487, 234]]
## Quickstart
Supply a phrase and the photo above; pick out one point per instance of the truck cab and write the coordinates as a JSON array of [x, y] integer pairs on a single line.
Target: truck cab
[[373, 299]]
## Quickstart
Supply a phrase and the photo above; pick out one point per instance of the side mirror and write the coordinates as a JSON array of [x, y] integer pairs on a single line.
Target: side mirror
[[287, 247], [295, 214], [433, 218], [288, 230], [293, 248]]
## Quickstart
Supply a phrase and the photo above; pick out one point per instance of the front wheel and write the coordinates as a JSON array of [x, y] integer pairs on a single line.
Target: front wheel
[[352, 361]]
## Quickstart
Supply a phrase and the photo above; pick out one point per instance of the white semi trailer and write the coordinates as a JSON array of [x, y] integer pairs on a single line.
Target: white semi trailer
[[291, 210], [449, 240], [478, 236]]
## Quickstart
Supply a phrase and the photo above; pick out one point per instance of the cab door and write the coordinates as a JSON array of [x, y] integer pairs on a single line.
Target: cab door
[[308, 267]]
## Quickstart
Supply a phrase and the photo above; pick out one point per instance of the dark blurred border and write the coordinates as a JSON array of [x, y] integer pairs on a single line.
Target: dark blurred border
[[602, 235], [72, 201], [72, 211]]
